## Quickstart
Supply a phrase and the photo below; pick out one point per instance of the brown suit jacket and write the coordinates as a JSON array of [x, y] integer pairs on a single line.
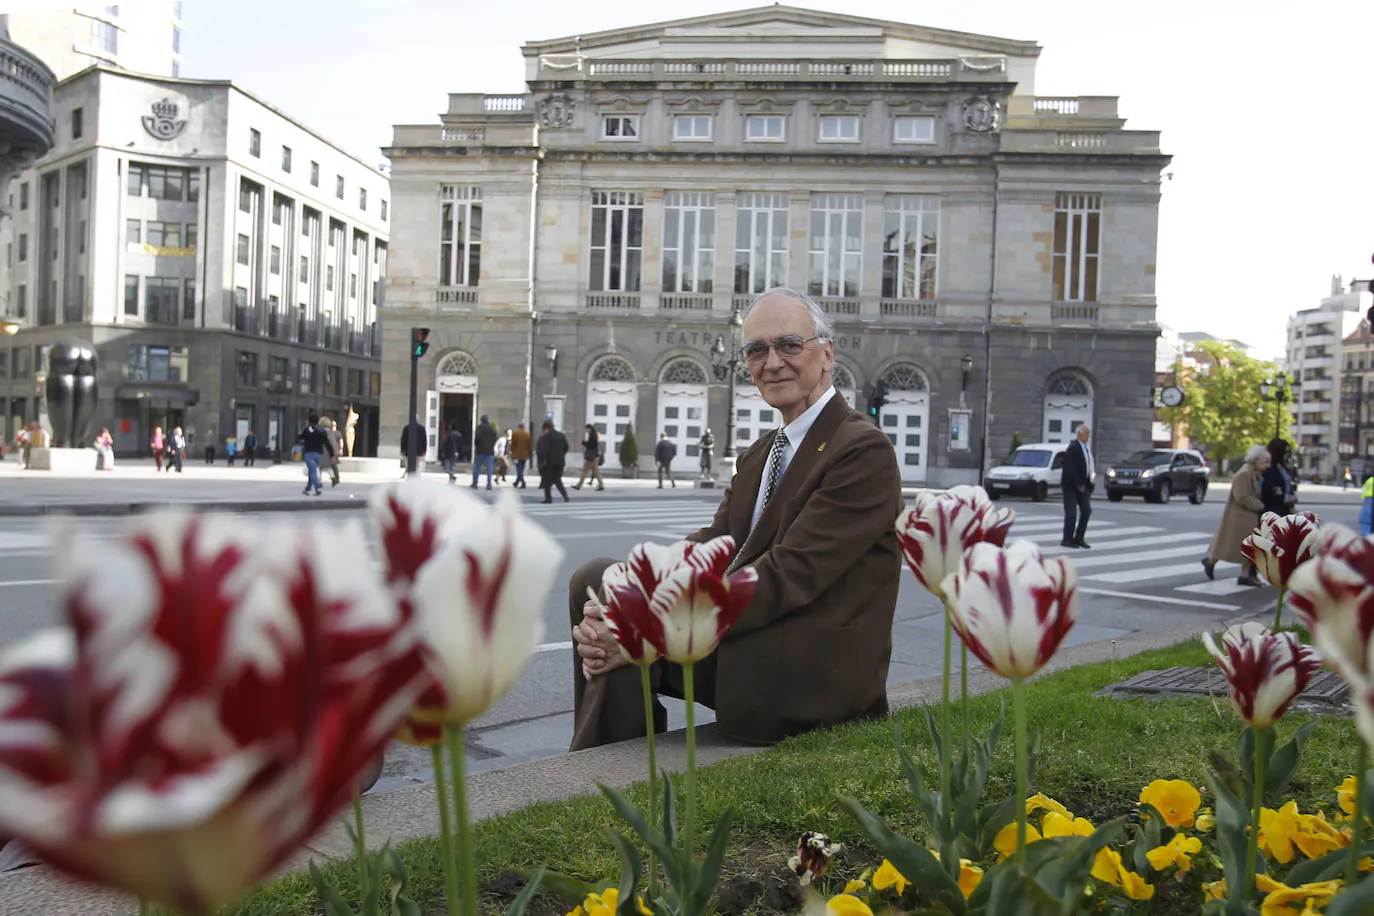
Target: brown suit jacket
[[813, 646], [521, 445]]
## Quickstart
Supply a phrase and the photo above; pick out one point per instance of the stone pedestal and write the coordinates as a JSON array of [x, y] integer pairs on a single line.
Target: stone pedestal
[[63, 460], [368, 466]]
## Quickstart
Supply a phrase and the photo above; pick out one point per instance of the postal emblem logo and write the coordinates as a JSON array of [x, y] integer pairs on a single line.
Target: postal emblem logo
[[163, 123]]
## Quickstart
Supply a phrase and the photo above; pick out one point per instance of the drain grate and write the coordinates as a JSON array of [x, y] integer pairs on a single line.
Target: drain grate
[[1325, 687]]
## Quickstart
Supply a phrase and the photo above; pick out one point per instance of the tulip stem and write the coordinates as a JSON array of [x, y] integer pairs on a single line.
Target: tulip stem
[[1257, 804], [689, 694], [1018, 707], [963, 692], [467, 871], [445, 828], [1278, 610], [361, 829], [1352, 868], [653, 774], [144, 909], [946, 788]]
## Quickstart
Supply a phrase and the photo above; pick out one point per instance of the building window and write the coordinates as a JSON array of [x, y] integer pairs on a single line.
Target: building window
[[460, 235], [760, 242], [353, 286], [911, 225], [1077, 241], [374, 389], [836, 244], [339, 187], [176, 40], [274, 260], [168, 235], [23, 367], [133, 231], [286, 159], [192, 235], [246, 374], [315, 174], [254, 142], [329, 278], [620, 127], [840, 128], [135, 188], [188, 300], [105, 36], [689, 241], [166, 183], [362, 198], [176, 68], [162, 305], [23, 247], [24, 195], [355, 383], [332, 385], [193, 184], [383, 211], [176, 10], [305, 269], [771, 128], [76, 123], [81, 237], [278, 368], [913, 130], [692, 127], [306, 382], [131, 295], [617, 241], [241, 250], [278, 207]]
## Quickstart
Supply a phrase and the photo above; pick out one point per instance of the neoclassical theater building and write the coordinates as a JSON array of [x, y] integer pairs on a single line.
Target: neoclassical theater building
[[985, 253]]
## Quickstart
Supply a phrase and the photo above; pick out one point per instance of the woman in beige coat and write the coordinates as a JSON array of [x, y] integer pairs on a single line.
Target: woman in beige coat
[[1240, 517]]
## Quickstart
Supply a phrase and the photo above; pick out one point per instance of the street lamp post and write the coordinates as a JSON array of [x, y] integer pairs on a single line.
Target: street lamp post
[[1278, 390], [551, 354], [727, 363], [965, 366]]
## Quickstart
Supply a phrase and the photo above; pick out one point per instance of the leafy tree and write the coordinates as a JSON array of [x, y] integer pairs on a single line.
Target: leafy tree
[[629, 449], [1224, 411]]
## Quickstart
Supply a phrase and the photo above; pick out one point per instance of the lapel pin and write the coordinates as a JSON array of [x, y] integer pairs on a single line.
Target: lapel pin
[[821, 447]]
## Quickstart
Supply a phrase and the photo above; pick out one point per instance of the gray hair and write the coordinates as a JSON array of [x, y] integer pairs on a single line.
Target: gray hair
[[1255, 454], [820, 322]]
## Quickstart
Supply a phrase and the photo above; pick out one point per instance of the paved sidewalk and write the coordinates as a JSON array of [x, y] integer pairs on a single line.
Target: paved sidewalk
[[409, 813]]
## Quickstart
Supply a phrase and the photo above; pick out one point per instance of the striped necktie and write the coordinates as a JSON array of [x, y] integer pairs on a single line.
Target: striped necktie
[[774, 465]]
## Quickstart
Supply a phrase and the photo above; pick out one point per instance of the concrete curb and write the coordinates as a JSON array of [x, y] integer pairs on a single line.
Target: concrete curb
[[138, 508], [408, 813]]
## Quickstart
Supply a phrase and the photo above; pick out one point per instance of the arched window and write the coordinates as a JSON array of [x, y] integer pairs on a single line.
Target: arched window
[[457, 363], [905, 377], [1068, 404], [683, 371], [841, 377], [613, 369], [1070, 383]]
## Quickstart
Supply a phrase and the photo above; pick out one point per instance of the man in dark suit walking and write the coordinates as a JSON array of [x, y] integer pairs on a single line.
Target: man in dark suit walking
[[1077, 485], [811, 508]]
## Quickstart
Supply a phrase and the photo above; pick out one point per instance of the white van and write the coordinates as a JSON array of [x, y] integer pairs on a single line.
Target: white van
[[1032, 470]]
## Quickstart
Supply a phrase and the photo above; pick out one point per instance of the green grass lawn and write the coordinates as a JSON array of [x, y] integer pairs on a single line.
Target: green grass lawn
[[1096, 755]]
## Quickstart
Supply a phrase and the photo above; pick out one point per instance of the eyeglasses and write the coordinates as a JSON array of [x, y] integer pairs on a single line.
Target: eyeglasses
[[756, 351]]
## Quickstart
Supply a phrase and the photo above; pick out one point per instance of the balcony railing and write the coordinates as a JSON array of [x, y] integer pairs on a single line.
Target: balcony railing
[[685, 302], [456, 295], [1074, 312], [794, 69], [623, 301], [836, 305], [26, 100], [908, 307]]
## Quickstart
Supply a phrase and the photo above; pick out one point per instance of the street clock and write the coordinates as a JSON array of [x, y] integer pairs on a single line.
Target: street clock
[[1172, 396]]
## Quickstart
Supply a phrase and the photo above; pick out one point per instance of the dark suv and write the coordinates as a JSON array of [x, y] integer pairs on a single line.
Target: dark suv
[[1158, 474]]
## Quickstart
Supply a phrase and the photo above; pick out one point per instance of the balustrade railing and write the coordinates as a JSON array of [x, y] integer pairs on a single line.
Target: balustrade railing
[[908, 307], [685, 302], [1074, 312], [625, 301]]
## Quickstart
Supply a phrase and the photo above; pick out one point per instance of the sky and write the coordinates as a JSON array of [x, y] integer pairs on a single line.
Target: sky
[[1266, 108]]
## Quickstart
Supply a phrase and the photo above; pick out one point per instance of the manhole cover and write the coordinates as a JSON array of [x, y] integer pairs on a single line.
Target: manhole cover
[[1326, 687]]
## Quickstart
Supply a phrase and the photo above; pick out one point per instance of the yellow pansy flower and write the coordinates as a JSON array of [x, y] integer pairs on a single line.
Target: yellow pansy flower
[[1109, 868], [605, 903], [1282, 900], [1176, 799], [1005, 841], [847, 905], [1316, 837], [1042, 802], [969, 877], [1135, 886], [887, 876], [1056, 824], [1175, 852], [1214, 890], [854, 885], [1278, 830], [578, 911], [1206, 822], [1345, 796]]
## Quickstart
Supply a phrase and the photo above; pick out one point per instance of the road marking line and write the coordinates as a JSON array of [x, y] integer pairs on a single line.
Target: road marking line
[[553, 647], [1159, 599], [1230, 587], [1113, 543], [1087, 562], [1144, 575], [17, 583]]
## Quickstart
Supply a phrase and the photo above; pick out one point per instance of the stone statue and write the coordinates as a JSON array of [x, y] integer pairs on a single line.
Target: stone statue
[[351, 428], [708, 447], [71, 391]]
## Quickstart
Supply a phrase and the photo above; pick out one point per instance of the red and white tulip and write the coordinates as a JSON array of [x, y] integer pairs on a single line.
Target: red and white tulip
[[222, 689], [1011, 606], [473, 581], [1280, 544], [626, 612], [936, 531], [1266, 670]]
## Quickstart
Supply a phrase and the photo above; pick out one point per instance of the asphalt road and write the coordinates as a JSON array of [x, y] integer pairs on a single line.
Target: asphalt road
[[1142, 574]]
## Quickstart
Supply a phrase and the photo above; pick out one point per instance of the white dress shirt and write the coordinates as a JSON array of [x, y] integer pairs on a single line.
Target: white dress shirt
[[796, 431]]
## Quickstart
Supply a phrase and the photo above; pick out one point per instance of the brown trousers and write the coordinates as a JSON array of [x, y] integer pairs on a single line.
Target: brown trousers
[[610, 707]]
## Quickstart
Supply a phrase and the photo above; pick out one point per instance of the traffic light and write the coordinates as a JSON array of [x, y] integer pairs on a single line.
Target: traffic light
[[419, 342], [877, 399]]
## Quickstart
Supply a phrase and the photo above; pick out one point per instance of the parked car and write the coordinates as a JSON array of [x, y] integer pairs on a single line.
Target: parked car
[[1158, 474], [1032, 470]]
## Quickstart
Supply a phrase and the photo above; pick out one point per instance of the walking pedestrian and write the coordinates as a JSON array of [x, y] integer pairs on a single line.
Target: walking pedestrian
[[1278, 486], [664, 453], [331, 429], [176, 449], [484, 451], [1238, 519], [413, 430], [158, 444], [1367, 505], [552, 454], [314, 443], [502, 456], [105, 443], [231, 447], [448, 450], [591, 459], [521, 451], [1346, 479], [210, 448], [1077, 486], [250, 448]]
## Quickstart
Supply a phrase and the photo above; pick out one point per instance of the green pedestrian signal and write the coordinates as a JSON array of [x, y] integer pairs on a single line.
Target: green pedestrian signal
[[419, 342]]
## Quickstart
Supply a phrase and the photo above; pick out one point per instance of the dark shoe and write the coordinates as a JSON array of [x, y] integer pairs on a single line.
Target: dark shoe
[[306, 491], [599, 489], [545, 501], [1209, 567], [576, 486], [565, 498], [1068, 544], [488, 486], [1083, 544], [1250, 581]]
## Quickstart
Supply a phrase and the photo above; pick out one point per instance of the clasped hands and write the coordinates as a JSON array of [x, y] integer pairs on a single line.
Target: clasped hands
[[596, 646]]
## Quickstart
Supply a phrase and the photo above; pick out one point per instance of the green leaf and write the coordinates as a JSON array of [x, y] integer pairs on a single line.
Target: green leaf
[[669, 811], [1233, 822], [676, 864], [708, 875], [571, 891], [991, 820], [333, 901], [1283, 763], [1356, 900], [518, 905], [1324, 868], [912, 860], [927, 801], [629, 875]]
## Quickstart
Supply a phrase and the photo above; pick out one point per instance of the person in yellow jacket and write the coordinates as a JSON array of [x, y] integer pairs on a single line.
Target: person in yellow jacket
[[1367, 507]]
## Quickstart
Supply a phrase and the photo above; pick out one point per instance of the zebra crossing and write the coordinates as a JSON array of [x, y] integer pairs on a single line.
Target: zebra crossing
[[1123, 554]]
